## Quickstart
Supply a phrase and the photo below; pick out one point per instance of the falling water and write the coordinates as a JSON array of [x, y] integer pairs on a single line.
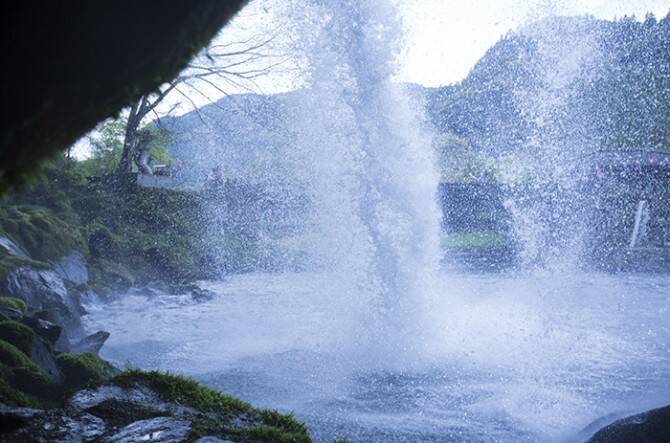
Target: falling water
[[547, 211], [368, 167]]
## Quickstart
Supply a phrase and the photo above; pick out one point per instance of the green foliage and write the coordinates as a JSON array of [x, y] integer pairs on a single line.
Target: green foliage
[[24, 375], [159, 145], [106, 143], [81, 369], [14, 303], [18, 334]]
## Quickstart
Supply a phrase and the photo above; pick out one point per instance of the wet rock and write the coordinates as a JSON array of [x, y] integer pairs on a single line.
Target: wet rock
[[72, 268], [44, 328], [45, 290], [92, 343], [139, 395], [12, 248], [42, 355], [202, 295], [210, 439], [650, 427], [12, 418], [159, 429]]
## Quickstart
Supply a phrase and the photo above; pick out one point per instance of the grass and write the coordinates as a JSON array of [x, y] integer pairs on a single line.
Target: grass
[[270, 426], [483, 239]]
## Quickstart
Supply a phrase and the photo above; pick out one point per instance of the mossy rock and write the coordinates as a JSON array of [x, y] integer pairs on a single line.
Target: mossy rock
[[25, 375], [271, 426], [81, 369], [11, 396], [185, 391], [18, 334], [39, 232], [8, 263], [14, 303]]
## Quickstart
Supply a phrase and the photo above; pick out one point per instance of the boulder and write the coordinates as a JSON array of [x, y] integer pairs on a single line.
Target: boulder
[[159, 430], [49, 331], [650, 427], [92, 343], [43, 289], [72, 268]]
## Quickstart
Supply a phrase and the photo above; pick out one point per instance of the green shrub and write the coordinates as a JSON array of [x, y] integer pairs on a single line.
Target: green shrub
[[17, 334]]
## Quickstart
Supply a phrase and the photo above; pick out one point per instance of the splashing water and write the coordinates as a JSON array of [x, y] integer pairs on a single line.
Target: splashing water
[[368, 168], [372, 342]]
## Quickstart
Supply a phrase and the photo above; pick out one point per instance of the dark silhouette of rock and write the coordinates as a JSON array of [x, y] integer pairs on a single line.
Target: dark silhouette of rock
[[72, 64], [648, 427]]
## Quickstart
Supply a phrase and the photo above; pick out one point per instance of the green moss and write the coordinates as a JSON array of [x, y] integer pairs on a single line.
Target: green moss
[[272, 434], [9, 262], [18, 334], [40, 233], [24, 374], [186, 391], [272, 426], [11, 396], [14, 303], [81, 369]]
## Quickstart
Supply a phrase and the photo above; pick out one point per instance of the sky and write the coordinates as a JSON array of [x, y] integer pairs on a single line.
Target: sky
[[443, 39]]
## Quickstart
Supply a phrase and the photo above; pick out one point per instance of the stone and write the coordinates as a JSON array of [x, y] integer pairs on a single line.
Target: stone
[[43, 356], [12, 248], [210, 439], [650, 427], [45, 290], [72, 268], [44, 328], [92, 343], [158, 430], [12, 418]]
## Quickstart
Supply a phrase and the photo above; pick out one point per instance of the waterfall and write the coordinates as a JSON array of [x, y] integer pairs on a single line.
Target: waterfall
[[367, 166]]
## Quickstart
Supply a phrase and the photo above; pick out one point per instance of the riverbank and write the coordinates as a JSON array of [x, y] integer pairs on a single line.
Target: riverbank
[[65, 243]]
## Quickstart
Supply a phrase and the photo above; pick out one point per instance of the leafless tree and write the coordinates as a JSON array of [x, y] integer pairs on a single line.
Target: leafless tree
[[220, 67]]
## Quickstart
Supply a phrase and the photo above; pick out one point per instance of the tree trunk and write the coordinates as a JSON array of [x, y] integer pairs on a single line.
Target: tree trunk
[[129, 140]]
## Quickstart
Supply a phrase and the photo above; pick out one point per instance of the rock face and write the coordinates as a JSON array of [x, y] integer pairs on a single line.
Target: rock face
[[649, 427], [149, 407], [45, 290], [72, 268]]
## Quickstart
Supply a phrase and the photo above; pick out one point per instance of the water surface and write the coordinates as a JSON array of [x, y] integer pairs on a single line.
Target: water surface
[[531, 357]]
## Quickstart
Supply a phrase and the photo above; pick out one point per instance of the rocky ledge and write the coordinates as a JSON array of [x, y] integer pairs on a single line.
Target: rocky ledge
[[149, 406]]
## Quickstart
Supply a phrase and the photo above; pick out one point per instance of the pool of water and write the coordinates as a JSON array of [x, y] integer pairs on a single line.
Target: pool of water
[[505, 357]]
